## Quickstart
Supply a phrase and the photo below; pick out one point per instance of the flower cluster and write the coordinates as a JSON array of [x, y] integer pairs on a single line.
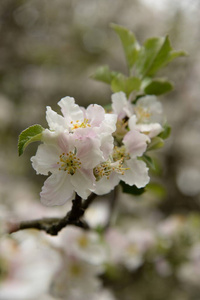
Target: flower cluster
[[89, 150]]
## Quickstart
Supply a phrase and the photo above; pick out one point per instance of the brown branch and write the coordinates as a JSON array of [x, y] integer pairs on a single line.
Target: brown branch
[[53, 225]]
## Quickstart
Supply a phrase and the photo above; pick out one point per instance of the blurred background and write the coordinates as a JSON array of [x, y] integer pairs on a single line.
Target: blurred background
[[49, 49]]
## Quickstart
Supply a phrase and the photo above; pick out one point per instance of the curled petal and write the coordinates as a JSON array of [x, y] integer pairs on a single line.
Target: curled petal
[[152, 129], [55, 121], [70, 110]]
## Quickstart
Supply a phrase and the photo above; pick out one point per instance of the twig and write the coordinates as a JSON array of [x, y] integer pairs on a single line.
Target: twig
[[53, 225]]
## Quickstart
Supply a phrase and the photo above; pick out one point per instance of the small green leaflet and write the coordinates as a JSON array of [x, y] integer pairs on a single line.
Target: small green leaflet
[[156, 143], [149, 162], [166, 132], [29, 135], [158, 87], [104, 74], [154, 55], [125, 84], [129, 42]]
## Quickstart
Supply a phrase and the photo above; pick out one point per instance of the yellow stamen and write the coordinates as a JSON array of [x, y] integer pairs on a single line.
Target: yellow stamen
[[69, 162]]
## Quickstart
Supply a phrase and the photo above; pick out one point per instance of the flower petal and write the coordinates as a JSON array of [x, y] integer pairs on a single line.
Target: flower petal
[[105, 185], [135, 142], [95, 114], [83, 182], [55, 121], [137, 174], [57, 189], [45, 160], [119, 101], [70, 110]]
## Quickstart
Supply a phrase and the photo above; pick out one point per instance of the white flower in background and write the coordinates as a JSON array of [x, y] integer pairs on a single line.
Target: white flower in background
[[86, 245], [116, 241], [129, 248], [27, 267], [138, 242], [145, 115], [71, 160], [123, 165], [76, 280], [78, 119], [189, 272]]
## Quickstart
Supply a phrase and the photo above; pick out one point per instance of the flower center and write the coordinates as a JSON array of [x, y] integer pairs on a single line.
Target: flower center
[[142, 114], [69, 162], [105, 169], [119, 153], [79, 124]]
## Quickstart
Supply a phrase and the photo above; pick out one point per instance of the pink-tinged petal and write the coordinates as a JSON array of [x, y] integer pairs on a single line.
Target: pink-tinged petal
[[107, 144], [65, 142], [57, 189], [104, 185], [136, 143], [45, 160], [88, 150], [70, 110], [137, 174], [55, 121], [83, 182], [119, 101], [95, 114]]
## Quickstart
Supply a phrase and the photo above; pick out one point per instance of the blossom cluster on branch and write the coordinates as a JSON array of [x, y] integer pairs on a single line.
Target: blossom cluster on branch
[[88, 150]]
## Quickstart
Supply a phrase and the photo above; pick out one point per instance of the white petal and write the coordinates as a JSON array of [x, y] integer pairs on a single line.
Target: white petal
[[83, 182], [137, 173], [88, 150], [152, 129], [57, 189], [104, 185], [119, 101], [107, 144], [95, 114], [135, 142], [45, 160], [70, 110], [132, 122], [55, 121]]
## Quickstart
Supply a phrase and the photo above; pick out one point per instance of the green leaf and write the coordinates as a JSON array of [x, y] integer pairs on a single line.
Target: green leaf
[[166, 132], [129, 43], [133, 190], [149, 162], [154, 55], [158, 87], [104, 74], [29, 135], [156, 143], [125, 84]]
